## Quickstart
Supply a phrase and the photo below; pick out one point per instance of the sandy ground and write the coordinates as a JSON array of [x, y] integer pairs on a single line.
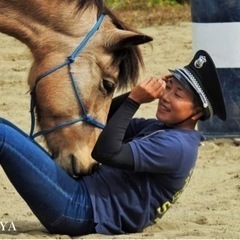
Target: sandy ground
[[208, 208]]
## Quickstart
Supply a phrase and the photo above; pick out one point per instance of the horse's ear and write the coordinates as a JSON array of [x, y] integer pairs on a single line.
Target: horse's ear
[[124, 39]]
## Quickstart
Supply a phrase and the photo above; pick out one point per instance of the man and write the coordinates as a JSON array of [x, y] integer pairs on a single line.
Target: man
[[145, 163]]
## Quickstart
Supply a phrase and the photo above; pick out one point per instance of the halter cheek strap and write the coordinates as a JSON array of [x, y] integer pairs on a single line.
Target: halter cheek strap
[[69, 61]]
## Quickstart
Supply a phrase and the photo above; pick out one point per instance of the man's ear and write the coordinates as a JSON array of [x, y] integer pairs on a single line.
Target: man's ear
[[198, 113]]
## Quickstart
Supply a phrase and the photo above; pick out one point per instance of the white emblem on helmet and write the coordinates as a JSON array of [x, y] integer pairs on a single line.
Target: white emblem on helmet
[[200, 61]]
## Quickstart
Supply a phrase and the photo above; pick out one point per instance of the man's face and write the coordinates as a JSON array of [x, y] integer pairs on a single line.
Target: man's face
[[176, 104]]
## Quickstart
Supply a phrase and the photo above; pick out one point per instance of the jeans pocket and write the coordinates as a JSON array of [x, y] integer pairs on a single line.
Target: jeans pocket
[[72, 227]]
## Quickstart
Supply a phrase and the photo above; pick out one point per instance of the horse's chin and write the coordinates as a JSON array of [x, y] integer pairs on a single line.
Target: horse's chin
[[76, 167], [77, 175]]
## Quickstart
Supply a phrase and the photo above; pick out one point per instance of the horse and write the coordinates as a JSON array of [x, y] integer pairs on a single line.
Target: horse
[[82, 54]]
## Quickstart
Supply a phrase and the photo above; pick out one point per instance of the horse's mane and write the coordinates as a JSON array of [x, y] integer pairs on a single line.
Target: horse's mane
[[129, 59]]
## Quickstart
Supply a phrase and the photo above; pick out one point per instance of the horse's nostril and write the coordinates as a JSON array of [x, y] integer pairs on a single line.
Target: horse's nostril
[[74, 166]]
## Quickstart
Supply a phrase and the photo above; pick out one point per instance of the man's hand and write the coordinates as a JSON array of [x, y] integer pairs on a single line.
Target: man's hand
[[148, 90]]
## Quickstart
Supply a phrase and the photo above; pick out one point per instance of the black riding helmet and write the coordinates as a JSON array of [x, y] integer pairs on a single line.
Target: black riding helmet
[[200, 77]]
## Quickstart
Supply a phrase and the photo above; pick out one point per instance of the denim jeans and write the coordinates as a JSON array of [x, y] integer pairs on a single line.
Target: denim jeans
[[61, 203]]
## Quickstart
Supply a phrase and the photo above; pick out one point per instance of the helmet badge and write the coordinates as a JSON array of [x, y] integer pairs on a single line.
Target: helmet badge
[[200, 61]]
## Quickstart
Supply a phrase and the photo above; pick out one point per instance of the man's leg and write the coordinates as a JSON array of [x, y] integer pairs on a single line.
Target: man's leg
[[61, 203]]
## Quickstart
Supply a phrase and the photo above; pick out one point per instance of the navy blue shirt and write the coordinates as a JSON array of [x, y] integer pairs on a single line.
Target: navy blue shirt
[[126, 201]]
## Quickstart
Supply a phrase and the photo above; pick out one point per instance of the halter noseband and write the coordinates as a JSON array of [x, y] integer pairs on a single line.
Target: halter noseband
[[85, 118]]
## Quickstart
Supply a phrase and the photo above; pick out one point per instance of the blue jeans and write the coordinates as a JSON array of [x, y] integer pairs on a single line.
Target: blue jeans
[[62, 204]]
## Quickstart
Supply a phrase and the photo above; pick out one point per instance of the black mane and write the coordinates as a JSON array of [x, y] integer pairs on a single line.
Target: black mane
[[129, 60]]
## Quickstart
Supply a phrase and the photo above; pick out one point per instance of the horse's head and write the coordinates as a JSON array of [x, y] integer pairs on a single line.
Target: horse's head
[[109, 61]]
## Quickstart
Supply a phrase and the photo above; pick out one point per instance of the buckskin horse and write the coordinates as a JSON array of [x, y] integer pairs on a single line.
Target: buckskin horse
[[82, 53]]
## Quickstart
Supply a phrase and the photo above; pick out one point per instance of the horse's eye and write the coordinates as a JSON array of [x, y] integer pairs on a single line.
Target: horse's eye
[[108, 85]]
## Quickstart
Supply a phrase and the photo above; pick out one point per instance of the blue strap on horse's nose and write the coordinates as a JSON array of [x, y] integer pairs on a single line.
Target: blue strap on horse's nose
[[71, 59], [92, 121]]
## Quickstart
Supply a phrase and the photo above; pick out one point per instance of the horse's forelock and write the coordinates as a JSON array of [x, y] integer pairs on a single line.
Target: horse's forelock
[[102, 8], [82, 4], [128, 60]]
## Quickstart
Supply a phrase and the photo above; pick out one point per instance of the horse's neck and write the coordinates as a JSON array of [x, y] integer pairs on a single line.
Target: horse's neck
[[42, 24]]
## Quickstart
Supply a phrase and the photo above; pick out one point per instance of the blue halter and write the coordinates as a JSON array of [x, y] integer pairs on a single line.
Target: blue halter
[[69, 61]]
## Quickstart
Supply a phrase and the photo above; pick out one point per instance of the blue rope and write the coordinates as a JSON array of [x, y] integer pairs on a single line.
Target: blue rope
[[61, 125], [86, 118], [77, 93], [32, 106], [51, 71], [86, 39]]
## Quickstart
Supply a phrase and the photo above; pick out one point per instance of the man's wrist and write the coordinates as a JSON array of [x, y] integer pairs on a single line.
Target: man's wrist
[[133, 103]]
